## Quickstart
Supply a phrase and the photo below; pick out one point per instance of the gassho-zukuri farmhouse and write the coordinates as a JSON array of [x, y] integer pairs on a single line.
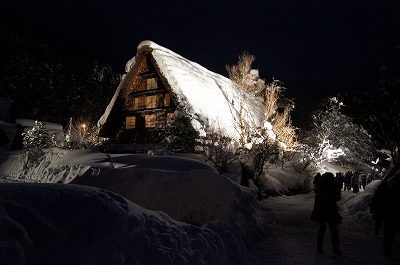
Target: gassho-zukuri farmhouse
[[157, 83]]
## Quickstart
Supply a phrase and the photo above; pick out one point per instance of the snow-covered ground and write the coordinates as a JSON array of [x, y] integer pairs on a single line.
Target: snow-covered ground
[[51, 217], [73, 224], [293, 238], [174, 210]]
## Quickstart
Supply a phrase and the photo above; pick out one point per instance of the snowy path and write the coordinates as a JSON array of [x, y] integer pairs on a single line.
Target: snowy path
[[293, 239]]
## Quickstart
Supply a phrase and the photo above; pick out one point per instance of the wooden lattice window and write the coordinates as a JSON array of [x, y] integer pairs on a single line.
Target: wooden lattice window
[[130, 122], [151, 101], [167, 100], [135, 104], [161, 120], [142, 102], [170, 117], [152, 83], [150, 120]]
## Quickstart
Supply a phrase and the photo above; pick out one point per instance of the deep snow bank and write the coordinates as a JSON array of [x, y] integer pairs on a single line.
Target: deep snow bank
[[186, 189], [15, 167], [71, 224], [197, 196]]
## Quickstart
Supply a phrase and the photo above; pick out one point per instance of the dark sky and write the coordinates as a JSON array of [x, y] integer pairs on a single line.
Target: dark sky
[[311, 45]]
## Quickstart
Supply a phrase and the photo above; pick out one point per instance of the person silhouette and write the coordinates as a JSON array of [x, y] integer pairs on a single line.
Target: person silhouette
[[326, 212], [316, 181], [384, 209]]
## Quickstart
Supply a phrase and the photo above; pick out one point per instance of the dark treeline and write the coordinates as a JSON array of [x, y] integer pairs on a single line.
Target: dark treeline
[[52, 86]]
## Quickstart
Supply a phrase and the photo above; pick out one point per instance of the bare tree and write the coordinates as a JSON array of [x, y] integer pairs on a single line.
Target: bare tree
[[264, 141], [249, 85], [280, 119]]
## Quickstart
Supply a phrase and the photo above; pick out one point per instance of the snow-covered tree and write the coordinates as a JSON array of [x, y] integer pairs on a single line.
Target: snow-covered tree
[[180, 136], [37, 137], [34, 140], [377, 107], [217, 150], [80, 134], [260, 154], [335, 137]]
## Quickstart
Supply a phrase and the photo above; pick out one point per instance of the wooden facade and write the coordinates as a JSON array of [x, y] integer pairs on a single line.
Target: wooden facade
[[147, 104]]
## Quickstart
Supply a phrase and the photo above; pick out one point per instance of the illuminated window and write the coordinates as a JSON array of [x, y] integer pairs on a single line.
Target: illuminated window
[[150, 121], [170, 117], [160, 120], [142, 102], [151, 101], [152, 83], [130, 122], [167, 100], [135, 103]]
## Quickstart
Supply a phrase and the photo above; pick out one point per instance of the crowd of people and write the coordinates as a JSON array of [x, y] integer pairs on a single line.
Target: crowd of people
[[355, 180], [384, 207]]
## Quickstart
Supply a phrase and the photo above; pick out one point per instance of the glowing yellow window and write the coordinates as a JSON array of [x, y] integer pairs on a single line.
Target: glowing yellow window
[[167, 100], [152, 83], [135, 103], [151, 102], [170, 117], [150, 121], [130, 122], [142, 102]]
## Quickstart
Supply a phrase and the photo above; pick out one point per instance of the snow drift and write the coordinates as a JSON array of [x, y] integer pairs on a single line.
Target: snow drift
[[197, 197], [71, 224]]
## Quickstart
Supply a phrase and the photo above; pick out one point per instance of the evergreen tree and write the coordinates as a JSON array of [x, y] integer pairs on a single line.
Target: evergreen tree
[[37, 137], [180, 135]]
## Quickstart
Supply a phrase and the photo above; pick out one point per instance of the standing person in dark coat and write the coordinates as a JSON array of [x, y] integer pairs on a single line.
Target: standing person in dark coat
[[355, 184], [326, 212], [317, 180], [340, 180], [347, 181], [385, 208]]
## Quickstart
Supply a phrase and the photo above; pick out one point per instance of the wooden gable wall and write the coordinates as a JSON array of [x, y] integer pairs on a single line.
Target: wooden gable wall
[[148, 104]]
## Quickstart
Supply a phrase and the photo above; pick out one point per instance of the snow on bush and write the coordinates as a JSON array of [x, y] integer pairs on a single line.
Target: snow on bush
[[358, 205], [287, 177]]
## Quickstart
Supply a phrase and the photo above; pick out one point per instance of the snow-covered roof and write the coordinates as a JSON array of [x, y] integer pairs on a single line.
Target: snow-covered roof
[[209, 98]]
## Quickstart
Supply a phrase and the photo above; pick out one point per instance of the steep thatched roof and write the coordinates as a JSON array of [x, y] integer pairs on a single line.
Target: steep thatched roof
[[207, 97]]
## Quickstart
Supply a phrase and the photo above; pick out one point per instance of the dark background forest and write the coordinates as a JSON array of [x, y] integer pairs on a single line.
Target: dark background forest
[[53, 85]]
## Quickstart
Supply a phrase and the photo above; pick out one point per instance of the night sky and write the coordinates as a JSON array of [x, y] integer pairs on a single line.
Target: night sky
[[313, 46]]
